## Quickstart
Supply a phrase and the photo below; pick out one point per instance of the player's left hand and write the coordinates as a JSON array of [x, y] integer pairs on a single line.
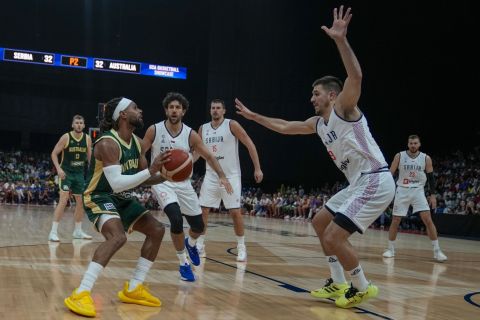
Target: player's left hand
[[258, 176], [338, 30], [243, 110], [433, 201], [228, 187]]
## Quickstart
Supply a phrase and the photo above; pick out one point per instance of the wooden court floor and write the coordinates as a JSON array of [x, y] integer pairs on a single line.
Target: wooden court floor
[[284, 263]]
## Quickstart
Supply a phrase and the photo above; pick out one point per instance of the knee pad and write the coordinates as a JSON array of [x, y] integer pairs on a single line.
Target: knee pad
[[196, 223], [175, 216]]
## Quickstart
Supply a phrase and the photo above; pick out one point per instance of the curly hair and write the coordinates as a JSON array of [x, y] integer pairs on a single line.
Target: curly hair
[[106, 122], [172, 96]]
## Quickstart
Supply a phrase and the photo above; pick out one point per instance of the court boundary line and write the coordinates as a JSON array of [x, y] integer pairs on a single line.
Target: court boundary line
[[292, 287]]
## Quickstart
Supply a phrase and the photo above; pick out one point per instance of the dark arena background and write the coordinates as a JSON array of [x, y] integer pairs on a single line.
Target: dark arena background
[[418, 61]]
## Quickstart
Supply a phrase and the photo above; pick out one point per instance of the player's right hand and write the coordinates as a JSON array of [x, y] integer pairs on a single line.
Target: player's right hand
[[228, 187], [244, 111], [61, 174], [258, 176], [158, 162]]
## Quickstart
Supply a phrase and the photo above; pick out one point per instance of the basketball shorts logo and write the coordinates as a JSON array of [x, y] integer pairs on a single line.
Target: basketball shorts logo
[[109, 206], [65, 188]]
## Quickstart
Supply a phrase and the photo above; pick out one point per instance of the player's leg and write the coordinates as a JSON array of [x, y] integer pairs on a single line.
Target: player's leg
[[400, 209], [168, 201], [336, 284], [201, 239], [78, 233], [233, 205], [370, 196], [210, 197], [432, 234], [111, 227], [138, 219], [420, 204], [58, 213], [190, 207]]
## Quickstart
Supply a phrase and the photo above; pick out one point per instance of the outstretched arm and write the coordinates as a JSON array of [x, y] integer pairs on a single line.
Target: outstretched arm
[[244, 138], [348, 98], [108, 152], [279, 125]]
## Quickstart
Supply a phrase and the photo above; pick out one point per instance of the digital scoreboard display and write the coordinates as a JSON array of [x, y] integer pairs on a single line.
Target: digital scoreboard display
[[90, 63]]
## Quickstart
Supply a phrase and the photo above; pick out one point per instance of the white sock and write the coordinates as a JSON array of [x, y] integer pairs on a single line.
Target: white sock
[[240, 240], [54, 226], [78, 226], [143, 266], [191, 242], [336, 269], [358, 278], [90, 277], [182, 257], [201, 240], [310, 213], [391, 245], [435, 245]]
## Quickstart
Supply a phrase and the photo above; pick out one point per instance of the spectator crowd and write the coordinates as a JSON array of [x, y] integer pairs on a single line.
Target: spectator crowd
[[30, 178]]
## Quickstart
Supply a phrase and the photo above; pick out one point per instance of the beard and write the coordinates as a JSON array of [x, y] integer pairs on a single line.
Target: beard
[[137, 123], [174, 120]]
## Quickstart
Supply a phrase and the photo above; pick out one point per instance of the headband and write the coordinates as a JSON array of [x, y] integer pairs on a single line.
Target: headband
[[122, 105]]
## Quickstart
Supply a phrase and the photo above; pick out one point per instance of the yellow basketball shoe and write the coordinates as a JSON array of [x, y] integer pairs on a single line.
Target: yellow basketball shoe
[[330, 290], [140, 295], [353, 297], [81, 303]]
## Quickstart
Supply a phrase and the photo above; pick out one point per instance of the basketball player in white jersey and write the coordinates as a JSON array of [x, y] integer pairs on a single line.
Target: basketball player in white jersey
[[344, 132], [221, 137], [414, 169], [179, 198]]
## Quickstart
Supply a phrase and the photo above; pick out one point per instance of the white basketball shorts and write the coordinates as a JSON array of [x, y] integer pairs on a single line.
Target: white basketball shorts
[[180, 192], [363, 202], [406, 197], [212, 192]]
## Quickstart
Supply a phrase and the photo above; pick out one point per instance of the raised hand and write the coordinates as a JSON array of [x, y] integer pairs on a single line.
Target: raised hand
[[244, 111], [338, 30]]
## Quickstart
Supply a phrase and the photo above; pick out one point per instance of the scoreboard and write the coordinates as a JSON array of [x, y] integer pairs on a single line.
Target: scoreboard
[[90, 63]]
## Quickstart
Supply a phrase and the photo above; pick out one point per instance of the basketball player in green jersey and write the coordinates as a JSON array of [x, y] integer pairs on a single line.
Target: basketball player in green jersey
[[118, 165], [75, 147]]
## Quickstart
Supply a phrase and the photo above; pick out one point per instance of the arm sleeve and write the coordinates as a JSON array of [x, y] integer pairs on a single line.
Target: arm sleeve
[[121, 182], [431, 182]]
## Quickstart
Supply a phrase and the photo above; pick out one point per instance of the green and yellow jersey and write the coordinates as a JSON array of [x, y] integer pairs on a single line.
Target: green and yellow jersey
[[74, 154], [129, 160]]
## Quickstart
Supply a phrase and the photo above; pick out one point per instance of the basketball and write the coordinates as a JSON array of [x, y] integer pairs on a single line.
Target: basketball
[[180, 166]]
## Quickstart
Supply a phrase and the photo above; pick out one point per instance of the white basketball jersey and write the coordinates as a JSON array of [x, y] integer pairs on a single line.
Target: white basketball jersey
[[411, 171], [165, 141], [224, 145], [351, 146]]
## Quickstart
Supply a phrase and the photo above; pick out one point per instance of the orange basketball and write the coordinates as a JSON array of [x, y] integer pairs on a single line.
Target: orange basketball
[[180, 166]]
